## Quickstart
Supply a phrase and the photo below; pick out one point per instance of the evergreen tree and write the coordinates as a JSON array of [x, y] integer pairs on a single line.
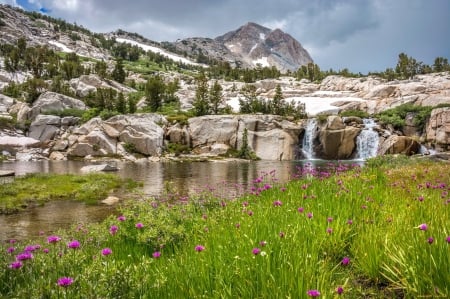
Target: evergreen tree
[[215, 97], [118, 74], [201, 105], [121, 105], [441, 64], [101, 69], [277, 102], [154, 91]]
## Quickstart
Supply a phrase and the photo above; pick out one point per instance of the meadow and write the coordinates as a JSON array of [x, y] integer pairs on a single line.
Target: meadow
[[378, 231]]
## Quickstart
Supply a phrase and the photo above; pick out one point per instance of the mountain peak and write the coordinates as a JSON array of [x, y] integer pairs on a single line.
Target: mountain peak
[[257, 45]]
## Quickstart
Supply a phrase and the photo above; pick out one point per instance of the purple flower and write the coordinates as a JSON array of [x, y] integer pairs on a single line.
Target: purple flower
[[31, 248], [53, 239], [256, 251], [106, 251], [139, 225], [420, 198], [113, 229], [263, 243], [199, 248], [10, 249], [423, 226], [250, 213], [121, 218], [301, 209], [349, 222], [156, 254], [237, 225], [448, 239], [309, 215], [15, 265], [329, 219], [339, 290], [277, 203], [65, 281], [313, 293], [430, 240], [12, 241], [45, 250], [24, 256], [73, 244], [345, 261], [329, 230]]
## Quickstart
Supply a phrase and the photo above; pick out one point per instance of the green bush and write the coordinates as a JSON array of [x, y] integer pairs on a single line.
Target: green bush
[[396, 116], [66, 112], [130, 147], [177, 148]]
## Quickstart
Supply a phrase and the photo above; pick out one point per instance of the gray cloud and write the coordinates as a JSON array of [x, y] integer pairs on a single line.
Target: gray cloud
[[362, 35]]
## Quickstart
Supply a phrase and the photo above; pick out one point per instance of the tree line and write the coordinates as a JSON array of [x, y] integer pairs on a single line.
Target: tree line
[[407, 67]]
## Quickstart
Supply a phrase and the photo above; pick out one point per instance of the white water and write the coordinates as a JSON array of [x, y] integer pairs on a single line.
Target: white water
[[308, 138], [367, 140]]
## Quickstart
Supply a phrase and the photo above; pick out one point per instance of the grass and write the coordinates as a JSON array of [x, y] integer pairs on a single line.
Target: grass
[[356, 231], [35, 189]]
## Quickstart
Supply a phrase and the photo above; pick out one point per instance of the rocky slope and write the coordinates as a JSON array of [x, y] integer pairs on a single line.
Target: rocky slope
[[270, 137], [16, 24], [249, 46]]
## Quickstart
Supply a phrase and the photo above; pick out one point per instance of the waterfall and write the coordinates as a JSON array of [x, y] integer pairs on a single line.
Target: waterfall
[[308, 138], [367, 140]]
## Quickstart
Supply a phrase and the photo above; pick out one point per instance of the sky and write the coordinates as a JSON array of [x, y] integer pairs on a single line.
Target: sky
[[361, 35]]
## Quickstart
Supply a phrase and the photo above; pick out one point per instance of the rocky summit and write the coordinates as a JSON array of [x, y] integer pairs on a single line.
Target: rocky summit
[[250, 46]]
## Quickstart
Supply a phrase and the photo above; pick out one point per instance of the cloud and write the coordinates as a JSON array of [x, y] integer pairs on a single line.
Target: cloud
[[359, 35]]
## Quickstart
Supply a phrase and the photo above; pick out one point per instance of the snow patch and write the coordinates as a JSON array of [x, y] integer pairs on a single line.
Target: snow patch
[[157, 50], [263, 61], [253, 48], [313, 105], [316, 105], [262, 36], [63, 47]]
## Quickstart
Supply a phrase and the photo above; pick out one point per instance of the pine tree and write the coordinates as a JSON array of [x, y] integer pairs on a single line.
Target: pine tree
[[277, 102], [154, 91], [215, 97], [118, 74], [201, 105]]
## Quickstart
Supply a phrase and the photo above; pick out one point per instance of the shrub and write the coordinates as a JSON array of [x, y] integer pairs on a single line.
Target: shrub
[[66, 112], [130, 147]]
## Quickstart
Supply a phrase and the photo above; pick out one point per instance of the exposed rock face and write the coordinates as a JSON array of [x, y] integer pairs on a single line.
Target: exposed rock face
[[5, 104], [89, 83], [337, 141], [423, 90], [269, 136], [399, 145], [51, 101], [43, 32], [13, 144], [140, 131], [438, 129], [44, 127], [250, 45]]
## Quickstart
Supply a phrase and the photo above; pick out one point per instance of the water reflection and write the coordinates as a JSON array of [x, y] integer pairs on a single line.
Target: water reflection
[[186, 178]]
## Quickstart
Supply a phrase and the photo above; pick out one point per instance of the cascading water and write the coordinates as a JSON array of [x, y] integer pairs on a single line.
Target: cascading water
[[308, 138], [367, 140]]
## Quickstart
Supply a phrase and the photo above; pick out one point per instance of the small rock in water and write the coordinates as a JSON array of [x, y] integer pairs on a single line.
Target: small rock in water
[[110, 200], [98, 168]]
